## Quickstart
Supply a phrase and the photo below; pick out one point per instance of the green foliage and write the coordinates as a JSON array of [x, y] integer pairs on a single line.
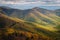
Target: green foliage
[[58, 27], [31, 19], [2, 22]]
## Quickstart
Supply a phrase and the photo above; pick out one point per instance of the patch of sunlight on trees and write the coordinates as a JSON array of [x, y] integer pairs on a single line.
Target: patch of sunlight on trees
[[48, 28], [10, 30]]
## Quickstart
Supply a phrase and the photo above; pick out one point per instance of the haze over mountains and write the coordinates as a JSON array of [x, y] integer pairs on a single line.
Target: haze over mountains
[[36, 20]]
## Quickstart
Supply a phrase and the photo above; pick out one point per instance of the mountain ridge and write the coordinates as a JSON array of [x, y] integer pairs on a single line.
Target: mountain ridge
[[37, 21], [39, 13]]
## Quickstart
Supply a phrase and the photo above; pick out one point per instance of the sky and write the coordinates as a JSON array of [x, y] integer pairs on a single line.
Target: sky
[[26, 4]]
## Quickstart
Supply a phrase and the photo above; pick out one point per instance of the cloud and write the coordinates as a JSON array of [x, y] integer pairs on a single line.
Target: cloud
[[21, 2], [38, 2]]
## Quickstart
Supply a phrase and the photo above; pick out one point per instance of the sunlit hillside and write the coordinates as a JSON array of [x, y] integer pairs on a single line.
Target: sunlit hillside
[[31, 24], [8, 26]]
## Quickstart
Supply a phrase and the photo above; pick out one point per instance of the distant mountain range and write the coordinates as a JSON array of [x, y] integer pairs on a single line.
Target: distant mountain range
[[36, 20], [38, 15]]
